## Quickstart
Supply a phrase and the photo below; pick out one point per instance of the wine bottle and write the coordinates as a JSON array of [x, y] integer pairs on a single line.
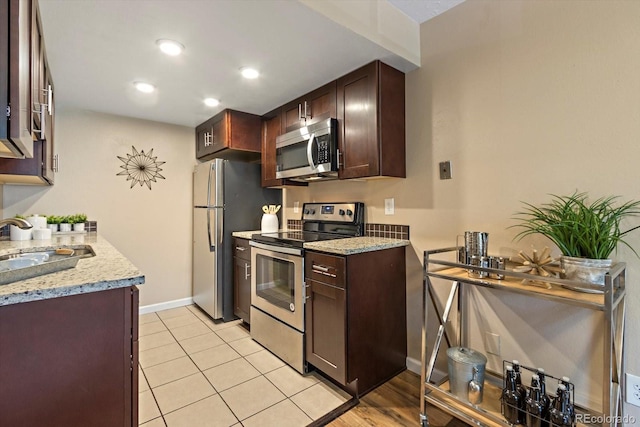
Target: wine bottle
[[511, 398], [567, 383], [533, 403], [545, 400], [560, 414]]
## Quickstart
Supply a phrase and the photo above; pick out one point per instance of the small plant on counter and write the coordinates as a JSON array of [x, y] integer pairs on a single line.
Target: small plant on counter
[[20, 216], [79, 220], [53, 219]]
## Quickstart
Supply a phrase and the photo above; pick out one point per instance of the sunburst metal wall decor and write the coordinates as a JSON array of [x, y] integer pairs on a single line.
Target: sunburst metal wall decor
[[141, 168]]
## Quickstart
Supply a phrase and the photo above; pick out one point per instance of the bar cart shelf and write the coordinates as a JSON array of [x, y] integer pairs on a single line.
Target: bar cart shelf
[[611, 302]]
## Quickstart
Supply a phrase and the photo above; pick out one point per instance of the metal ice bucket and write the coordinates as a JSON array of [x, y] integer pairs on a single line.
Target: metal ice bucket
[[460, 363]]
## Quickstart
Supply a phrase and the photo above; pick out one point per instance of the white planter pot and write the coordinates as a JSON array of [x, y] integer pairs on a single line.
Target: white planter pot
[[78, 227], [53, 227], [65, 226]]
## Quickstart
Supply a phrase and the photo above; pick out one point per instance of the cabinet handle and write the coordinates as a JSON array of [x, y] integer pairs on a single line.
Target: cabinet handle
[[240, 248], [307, 115], [247, 267], [338, 158], [55, 163], [208, 139], [42, 112], [49, 94], [320, 269], [299, 112]]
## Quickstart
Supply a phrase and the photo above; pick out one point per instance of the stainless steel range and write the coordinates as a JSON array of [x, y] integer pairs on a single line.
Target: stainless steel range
[[277, 285]]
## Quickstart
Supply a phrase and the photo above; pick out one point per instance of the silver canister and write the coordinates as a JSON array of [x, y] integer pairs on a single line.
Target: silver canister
[[479, 261], [497, 263], [461, 362], [475, 243]]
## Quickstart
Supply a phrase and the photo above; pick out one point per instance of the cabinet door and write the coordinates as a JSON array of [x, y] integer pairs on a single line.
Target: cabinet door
[[358, 119], [326, 328], [219, 134], [310, 108], [270, 130], [20, 123], [49, 161], [242, 279], [371, 115], [69, 361], [204, 139]]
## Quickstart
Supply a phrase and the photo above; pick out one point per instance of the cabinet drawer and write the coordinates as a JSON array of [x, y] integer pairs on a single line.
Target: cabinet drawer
[[241, 249], [325, 268]]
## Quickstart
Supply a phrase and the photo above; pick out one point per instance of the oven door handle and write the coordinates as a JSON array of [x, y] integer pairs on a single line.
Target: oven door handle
[[310, 152], [280, 249]]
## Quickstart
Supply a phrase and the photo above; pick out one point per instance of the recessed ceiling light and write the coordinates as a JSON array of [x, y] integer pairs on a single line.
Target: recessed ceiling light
[[211, 102], [249, 73], [170, 47], [144, 87]]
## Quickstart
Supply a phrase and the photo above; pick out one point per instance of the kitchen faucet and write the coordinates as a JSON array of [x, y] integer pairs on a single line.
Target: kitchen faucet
[[18, 222]]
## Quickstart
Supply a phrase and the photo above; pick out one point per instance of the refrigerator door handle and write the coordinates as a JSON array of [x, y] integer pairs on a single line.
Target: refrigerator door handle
[[219, 223], [212, 248]]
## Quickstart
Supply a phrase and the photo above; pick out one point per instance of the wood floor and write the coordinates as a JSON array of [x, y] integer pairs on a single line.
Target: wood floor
[[395, 403]]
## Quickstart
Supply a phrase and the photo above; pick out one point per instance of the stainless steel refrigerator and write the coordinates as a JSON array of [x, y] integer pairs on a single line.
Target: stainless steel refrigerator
[[227, 197]]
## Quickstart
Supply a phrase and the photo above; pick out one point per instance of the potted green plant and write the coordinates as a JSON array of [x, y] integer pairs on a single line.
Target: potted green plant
[[66, 222], [52, 222], [585, 232], [78, 222]]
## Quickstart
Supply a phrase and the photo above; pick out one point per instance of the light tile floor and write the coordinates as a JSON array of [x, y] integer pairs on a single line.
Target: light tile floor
[[195, 372]]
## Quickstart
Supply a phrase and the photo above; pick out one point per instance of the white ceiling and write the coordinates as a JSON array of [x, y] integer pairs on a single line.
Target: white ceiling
[[97, 48]]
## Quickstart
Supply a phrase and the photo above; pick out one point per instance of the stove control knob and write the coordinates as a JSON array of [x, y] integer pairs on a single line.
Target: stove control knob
[[306, 211], [349, 212], [341, 212], [313, 211]]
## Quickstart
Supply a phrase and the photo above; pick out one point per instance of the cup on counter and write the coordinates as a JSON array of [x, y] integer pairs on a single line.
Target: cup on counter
[[42, 234]]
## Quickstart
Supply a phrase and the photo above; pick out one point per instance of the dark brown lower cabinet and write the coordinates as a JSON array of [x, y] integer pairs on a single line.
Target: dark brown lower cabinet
[[356, 327], [70, 361], [242, 279]]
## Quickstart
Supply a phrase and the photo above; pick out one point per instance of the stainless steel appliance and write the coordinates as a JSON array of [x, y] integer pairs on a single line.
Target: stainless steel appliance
[[308, 153], [277, 284], [227, 197]]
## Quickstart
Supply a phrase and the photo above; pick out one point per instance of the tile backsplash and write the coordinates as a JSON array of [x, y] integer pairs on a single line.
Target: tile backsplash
[[373, 230]]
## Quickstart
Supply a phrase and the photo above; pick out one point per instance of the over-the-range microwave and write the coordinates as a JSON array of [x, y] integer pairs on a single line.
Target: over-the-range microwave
[[309, 153]]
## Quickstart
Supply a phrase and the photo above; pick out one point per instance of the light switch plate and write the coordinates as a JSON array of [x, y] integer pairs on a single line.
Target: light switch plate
[[445, 170], [492, 343], [389, 208]]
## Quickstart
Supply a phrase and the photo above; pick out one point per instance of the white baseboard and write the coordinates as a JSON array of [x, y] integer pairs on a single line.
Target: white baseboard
[[165, 305], [415, 366]]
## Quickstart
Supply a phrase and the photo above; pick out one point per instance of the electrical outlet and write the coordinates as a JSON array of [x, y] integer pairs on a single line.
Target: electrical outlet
[[633, 389], [389, 208], [445, 170], [296, 207]]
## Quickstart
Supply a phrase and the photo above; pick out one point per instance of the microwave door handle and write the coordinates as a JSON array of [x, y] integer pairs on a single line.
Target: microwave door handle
[[310, 151]]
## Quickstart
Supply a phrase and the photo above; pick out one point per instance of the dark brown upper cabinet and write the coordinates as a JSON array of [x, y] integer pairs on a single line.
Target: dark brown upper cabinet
[[371, 117], [231, 135], [310, 108], [27, 95], [15, 78]]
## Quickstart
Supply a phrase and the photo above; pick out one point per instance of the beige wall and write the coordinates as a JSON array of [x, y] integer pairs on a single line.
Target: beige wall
[[151, 227], [525, 98]]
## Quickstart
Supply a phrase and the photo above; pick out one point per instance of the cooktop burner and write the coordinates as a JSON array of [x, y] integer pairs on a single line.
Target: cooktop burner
[[295, 238], [320, 221]]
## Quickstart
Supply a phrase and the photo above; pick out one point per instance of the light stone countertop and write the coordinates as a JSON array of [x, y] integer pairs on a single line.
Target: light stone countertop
[[245, 234], [348, 246], [356, 245], [108, 269]]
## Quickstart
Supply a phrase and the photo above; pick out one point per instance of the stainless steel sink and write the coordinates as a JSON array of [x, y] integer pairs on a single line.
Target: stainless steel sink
[[23, 264]]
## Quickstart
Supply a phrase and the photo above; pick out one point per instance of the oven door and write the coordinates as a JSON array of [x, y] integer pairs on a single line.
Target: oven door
[[310, 150], [277, 286]]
